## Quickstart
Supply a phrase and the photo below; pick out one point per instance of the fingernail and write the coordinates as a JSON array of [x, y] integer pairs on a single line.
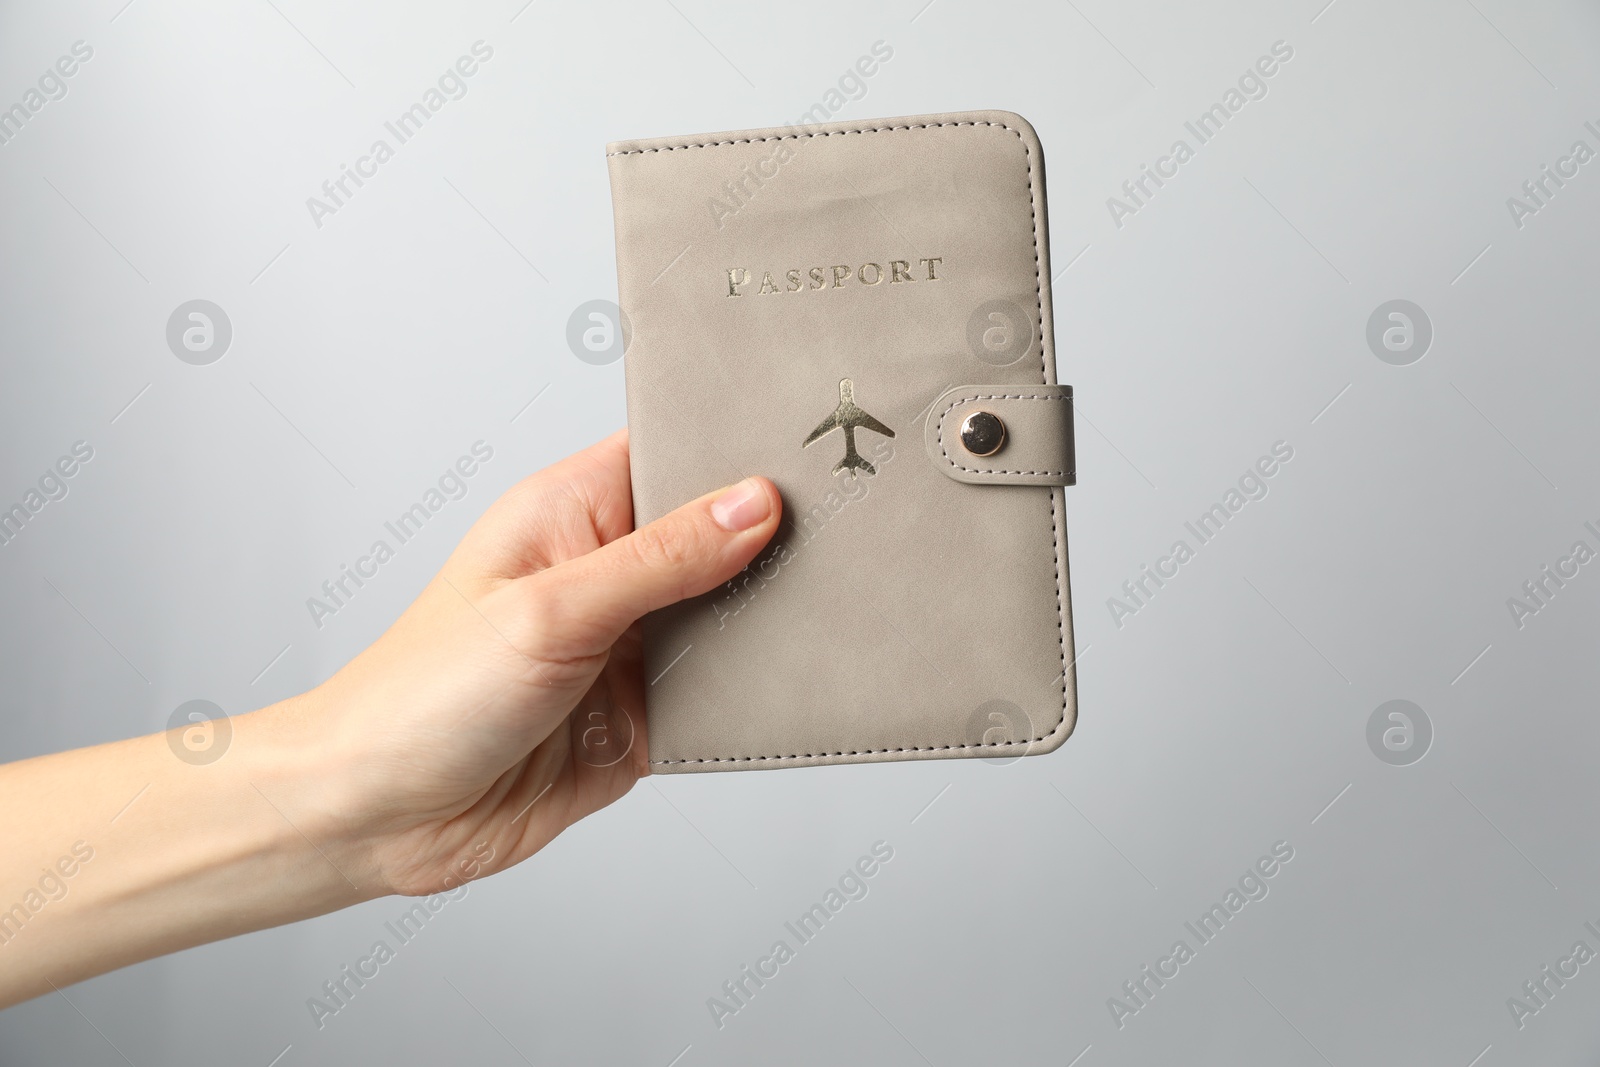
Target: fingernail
[[741, 507]]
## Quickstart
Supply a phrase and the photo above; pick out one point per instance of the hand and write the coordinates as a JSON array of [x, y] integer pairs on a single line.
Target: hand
[[504, 705], [508, 701]]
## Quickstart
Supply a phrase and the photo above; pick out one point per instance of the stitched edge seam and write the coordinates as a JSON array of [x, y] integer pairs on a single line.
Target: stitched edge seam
[[830, 133], [1038, 290], [862, 752], [993, 396]]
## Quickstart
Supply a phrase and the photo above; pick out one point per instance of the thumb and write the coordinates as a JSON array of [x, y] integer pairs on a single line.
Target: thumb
[[595, 597]]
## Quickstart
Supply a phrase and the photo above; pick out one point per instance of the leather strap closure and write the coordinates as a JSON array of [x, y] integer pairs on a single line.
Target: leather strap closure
[[1038, 440]]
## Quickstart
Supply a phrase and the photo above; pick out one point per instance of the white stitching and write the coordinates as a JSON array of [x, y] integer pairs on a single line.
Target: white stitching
[[824, 133], [939, 434], [863, 751], [1038, 273]]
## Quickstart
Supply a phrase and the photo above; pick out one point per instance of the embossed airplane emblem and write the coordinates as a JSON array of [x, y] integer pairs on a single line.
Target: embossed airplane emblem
[[847, 416]]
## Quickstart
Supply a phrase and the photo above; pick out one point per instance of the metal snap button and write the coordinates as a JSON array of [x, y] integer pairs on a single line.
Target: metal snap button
[[982, 433]]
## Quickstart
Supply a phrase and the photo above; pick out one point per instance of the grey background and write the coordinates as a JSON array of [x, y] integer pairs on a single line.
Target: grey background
[[1228, 714]]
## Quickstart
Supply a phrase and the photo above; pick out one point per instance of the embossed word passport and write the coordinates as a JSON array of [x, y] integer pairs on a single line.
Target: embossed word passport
[[861, 312]]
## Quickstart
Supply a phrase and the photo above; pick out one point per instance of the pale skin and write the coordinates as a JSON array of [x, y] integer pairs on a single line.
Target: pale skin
[[504, 705]]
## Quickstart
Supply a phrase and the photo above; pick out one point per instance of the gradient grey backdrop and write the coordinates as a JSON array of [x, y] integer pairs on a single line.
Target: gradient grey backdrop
[[1229, 714]]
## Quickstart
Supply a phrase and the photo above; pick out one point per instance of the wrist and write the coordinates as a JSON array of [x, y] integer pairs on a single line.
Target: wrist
[[302, 781]]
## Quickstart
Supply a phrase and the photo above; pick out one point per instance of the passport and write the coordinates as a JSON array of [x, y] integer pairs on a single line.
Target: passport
[[871, 329]]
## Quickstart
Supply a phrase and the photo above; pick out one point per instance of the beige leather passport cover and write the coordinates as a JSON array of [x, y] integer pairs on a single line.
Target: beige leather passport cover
[[888, 276]]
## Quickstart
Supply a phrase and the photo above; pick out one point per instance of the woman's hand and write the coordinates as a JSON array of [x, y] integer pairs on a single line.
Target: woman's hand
[[505, 704], [508, 701]]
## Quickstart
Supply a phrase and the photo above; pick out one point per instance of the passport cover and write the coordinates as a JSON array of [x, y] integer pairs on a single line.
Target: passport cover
[[826, 305]]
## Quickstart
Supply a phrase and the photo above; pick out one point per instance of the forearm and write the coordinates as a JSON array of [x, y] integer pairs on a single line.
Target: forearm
[[121, 852]]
